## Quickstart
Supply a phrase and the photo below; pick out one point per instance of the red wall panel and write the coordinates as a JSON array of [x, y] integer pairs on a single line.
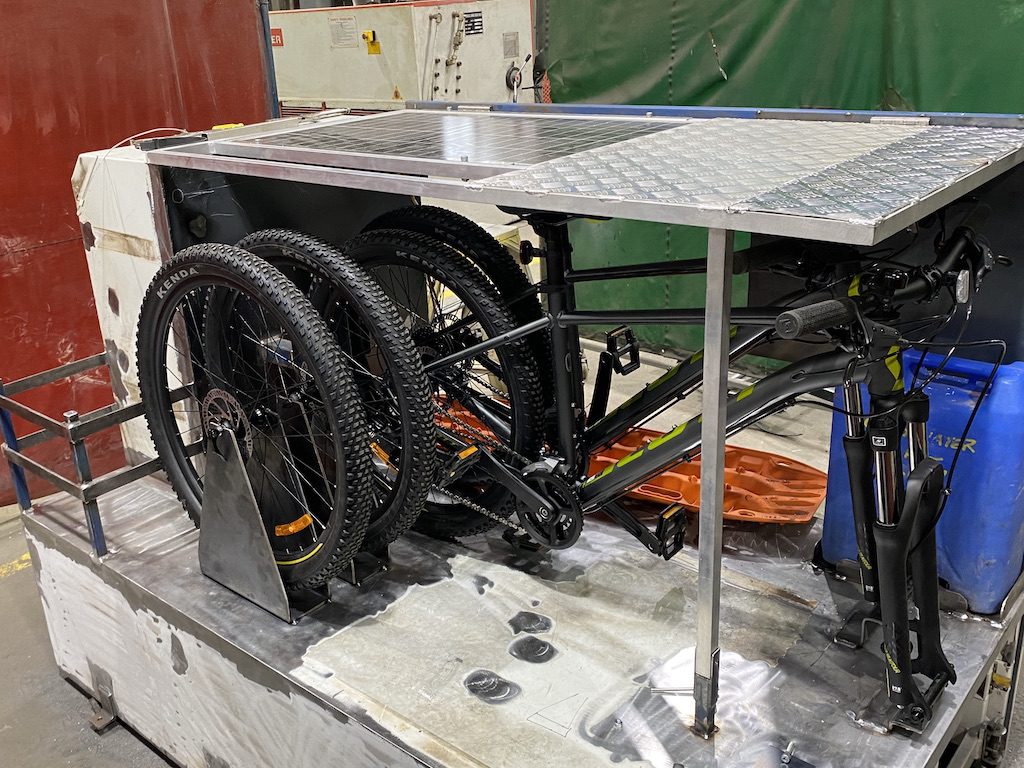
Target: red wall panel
[[80, 76]]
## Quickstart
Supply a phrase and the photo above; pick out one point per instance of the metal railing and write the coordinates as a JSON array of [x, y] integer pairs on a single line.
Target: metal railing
[[74, 429]]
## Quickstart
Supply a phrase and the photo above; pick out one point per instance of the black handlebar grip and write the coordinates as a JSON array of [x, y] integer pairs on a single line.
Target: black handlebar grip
[[830, 313]]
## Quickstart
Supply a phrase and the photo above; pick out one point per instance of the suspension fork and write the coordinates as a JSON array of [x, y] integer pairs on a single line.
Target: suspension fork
[[930, 660], [858, 464], [904, 542], [565, 344]]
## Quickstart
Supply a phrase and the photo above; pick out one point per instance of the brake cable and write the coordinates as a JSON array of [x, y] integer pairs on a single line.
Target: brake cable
[[985, 389]]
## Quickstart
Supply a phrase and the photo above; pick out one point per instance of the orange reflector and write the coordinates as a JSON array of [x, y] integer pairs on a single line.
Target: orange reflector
[[381, 454], [466, 452], [294, 526]]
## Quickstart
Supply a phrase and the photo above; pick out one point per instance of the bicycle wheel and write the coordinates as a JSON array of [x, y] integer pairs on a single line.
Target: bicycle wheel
[[385, 364], [492, 400], [268, 368], [494, 260]]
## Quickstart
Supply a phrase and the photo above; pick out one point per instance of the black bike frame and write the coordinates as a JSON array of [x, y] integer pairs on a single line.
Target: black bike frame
[[574, 442], [676, 384], [743, 408]]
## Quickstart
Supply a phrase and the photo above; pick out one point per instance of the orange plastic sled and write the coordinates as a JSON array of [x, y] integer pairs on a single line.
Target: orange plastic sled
[[760, 487]]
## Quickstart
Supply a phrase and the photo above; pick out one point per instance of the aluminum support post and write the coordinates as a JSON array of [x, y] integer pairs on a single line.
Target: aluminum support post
[[712, 477]]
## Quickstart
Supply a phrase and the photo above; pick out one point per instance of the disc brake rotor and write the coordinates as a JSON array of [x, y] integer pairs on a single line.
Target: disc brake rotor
[[222, 411]]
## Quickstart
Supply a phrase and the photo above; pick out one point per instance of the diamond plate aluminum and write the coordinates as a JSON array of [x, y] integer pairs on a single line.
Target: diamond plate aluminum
[[871, 187], [707, 164], [843, 181], [856, 173]]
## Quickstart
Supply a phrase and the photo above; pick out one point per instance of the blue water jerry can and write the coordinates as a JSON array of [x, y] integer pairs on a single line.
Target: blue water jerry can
[[980, 537]]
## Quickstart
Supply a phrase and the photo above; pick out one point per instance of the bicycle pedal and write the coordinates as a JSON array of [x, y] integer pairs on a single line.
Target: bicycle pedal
[[457, 467], [671, 530], [622, 343]]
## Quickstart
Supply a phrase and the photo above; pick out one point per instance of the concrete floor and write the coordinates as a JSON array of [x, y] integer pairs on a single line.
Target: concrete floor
[[43, 719]]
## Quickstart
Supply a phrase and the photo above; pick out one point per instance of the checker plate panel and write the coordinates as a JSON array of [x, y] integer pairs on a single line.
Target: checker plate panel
[[859, 173]]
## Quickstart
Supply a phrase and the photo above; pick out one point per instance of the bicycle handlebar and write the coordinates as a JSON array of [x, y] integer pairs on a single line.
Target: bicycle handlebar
[[833, 313], [819, 316]]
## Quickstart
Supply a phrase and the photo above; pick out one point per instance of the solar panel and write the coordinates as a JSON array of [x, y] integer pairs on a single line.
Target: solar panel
[[484, 139]]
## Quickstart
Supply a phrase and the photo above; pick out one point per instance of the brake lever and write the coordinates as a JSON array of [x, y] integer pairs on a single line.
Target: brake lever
[[870, 332], [876, 333], [988, 263]]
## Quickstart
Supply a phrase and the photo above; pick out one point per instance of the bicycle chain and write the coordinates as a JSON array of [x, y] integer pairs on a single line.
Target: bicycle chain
[[505, 521], [499, 446], [490, 440]]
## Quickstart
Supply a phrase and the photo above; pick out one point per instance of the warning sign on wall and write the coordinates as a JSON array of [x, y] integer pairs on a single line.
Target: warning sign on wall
[[474, 21], [343, 32]]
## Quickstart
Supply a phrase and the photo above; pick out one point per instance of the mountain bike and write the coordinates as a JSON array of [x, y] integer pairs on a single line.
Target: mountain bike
[[895, 511]]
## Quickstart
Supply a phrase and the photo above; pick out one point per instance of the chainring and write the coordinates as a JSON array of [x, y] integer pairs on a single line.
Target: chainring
[[559, 525]]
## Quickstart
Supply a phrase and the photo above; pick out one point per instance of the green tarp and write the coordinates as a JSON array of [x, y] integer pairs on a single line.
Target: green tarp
[[930, 55]]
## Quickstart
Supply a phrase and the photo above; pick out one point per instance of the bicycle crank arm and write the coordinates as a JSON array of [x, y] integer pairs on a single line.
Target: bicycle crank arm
[[513, 482], [548, 510]]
